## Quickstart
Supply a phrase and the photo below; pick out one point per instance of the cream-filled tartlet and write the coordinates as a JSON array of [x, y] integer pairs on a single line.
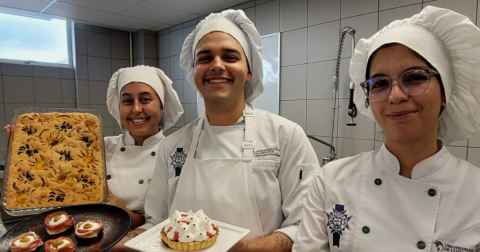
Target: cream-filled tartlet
[[58, 222], [26, 242], [189, 231], [88, 229]]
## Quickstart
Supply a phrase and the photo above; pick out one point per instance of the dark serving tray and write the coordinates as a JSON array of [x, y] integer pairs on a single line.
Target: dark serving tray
[[116, 223]]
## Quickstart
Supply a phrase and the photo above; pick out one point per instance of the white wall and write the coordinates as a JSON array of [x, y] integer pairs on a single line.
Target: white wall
[[309, 30]]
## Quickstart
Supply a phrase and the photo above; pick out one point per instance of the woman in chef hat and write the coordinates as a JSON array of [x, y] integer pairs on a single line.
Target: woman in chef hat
[[420, 80], [144, 103]]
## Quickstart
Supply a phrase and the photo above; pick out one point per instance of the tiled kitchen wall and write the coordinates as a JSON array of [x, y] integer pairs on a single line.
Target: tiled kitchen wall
[[309, 40], [99, 53]]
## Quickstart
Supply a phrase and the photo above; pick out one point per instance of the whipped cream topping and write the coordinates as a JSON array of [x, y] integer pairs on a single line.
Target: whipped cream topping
[[190, 226]]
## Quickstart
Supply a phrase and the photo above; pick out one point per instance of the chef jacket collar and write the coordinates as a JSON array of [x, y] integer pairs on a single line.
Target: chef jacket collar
[[240, 121], [149, 141], [422, 171]]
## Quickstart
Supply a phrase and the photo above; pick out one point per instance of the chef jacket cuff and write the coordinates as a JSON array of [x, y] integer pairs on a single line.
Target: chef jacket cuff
[[290, 231]]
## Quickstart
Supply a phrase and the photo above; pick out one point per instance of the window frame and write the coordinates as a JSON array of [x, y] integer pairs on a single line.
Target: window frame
[[70, 35]]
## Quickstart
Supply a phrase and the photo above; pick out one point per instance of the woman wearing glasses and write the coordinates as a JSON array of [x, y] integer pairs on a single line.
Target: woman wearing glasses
[[420, 78]]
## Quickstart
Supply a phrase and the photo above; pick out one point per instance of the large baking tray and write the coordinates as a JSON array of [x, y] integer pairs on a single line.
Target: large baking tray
[[20, 111]]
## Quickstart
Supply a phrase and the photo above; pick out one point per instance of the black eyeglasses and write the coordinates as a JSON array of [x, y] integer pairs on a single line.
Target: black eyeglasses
[[412, 82]]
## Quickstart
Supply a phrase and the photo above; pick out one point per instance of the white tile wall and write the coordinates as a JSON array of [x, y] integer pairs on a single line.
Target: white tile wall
[[462, 143], [18, 89], [181, 121], [189, 93], [365, 26], [320, 149], [1, 91], [47, 72], [186, 31], [99, 68], [474, 141], [250, 12], [3, 140], [293, 14], [82, 67], [120, 47], [267, 17], [97, 92], [150, 46], [190, 112], [354, 7], [319, 117], [478, 14], [2, 118], [320, 80], [460, 152], [294, 47], [344, 80], [17, 70], [83, 93], [176, 72], [365, 128], [108, 120], [47, 90], [388, 16], [390, 4], [164, 64], [178, 87], [80, 42], [465, 7], [176, 42], [68, 92], [119, 63], [98, 44], [322, 39], [322, 11], [350, 147], [11, 107], [295, 111], [137, 46], [164, 45], [293, 82], [474, 156]]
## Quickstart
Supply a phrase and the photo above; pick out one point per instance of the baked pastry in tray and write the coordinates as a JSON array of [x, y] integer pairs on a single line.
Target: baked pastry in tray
[[56, 159]]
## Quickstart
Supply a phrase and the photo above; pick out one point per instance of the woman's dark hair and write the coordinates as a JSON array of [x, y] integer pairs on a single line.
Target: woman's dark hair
[[367, 73]]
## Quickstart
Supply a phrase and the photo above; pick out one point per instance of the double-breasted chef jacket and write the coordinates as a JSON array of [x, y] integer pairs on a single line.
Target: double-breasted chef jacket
[[254, 174], [130, 167], [361, 203]]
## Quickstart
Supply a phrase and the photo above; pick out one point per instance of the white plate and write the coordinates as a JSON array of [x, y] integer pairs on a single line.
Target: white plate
[[150, 240]]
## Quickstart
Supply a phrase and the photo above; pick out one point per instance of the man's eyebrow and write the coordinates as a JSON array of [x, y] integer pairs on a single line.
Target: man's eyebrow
[[203, 52]]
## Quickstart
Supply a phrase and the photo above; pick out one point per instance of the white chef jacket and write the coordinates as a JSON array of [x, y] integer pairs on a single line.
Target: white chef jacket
[[130, 167], [284, 163], [368, 206]]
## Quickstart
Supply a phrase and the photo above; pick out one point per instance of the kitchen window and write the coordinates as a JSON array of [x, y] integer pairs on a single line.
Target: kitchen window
[[35, 40]]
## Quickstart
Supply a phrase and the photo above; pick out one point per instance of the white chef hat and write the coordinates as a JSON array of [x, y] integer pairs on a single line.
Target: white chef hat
[[155, 78], [450, 42], [236, 24]]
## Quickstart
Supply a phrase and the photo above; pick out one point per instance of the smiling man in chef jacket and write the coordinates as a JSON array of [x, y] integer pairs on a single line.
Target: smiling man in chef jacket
[[241, 165]]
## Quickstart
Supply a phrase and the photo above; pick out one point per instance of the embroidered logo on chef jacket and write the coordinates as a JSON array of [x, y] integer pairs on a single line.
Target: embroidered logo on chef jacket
[[178, 159], [445, 247], [270, 152], [338, 222]]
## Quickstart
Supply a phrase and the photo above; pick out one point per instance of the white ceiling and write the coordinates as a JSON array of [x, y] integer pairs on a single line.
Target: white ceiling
[[130, 15]]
